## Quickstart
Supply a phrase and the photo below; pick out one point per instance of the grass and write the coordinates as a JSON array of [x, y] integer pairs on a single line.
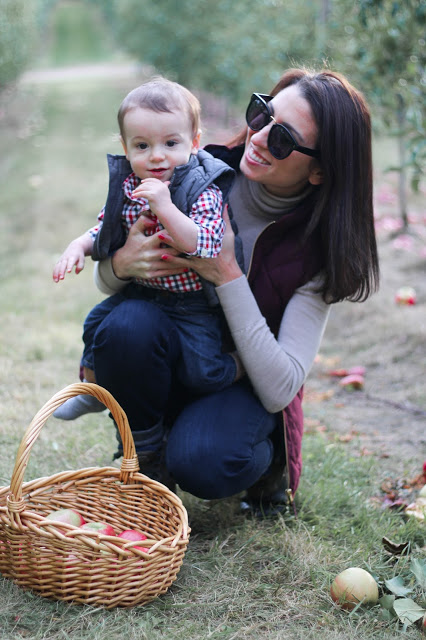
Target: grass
[[241, 578], [247, 579]]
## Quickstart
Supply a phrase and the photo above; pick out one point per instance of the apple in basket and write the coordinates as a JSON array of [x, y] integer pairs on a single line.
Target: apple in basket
[[99, 527], [69, 516], [132, 535]]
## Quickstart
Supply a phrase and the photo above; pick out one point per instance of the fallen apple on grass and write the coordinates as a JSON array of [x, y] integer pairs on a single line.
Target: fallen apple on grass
[[352, 586], [406, 295], [417, 509], [353, 382], [68, 516]]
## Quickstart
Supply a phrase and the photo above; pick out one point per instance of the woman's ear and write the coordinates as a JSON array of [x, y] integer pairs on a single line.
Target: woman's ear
[[316, 175]]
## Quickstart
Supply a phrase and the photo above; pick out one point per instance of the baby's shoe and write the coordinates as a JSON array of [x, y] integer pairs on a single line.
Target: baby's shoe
[[78, 406]]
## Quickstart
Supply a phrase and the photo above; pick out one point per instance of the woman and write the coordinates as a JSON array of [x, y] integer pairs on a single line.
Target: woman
[[302, 202]]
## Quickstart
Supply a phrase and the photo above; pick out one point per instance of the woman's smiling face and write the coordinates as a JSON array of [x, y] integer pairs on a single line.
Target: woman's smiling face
[[290, 176]]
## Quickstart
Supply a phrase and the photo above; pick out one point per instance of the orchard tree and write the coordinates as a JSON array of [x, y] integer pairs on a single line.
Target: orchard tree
[[229, 48], [17, 20], [391, 53]]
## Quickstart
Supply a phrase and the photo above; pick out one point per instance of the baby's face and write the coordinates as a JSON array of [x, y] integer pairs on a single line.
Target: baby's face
[[156, 143]]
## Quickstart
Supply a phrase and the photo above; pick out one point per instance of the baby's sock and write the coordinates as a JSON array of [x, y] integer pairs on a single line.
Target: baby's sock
[[78, 406]]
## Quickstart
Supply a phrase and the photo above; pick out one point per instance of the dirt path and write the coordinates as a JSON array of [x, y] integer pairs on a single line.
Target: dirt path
[[388, 417], [61, 74]]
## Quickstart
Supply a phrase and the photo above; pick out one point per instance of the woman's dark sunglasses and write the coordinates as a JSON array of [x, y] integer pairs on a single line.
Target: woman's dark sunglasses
[[280, 141]]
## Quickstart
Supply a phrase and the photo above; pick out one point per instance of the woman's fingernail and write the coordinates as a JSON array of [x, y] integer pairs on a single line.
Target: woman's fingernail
[[164, 256], [161, 236]]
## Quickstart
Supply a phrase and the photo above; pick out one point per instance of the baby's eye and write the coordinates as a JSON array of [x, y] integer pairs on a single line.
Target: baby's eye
[[171, 143], [142, 145]]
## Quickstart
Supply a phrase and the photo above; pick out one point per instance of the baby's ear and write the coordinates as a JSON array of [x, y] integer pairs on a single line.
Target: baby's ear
[[124, 146], [196, 143]]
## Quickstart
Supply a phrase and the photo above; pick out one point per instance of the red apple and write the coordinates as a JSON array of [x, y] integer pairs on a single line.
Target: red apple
[[406, 295], [99, 527], [352, 586], [132, 535], [69, 516], [352, 382], [358, 370]]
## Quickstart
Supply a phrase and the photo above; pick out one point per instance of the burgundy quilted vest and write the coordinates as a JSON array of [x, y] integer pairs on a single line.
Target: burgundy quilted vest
[[283, 260]]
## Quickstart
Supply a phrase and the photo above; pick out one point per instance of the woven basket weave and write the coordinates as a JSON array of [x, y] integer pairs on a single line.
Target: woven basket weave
[[76, 565]]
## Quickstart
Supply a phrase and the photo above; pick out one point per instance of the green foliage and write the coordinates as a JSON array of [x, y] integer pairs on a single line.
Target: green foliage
[[391, 53], [234, 48], [78, 34], [16, 38], [230, 49]]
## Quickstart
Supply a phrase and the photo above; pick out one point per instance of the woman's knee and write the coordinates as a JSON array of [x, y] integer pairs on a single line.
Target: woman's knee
[[219, 476], [219, 445]]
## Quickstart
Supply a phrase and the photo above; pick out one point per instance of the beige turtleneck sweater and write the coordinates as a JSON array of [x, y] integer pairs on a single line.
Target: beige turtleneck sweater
[[277, 368]]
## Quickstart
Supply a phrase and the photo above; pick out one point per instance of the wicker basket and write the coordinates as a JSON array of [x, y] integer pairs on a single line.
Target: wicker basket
[[76, 565]]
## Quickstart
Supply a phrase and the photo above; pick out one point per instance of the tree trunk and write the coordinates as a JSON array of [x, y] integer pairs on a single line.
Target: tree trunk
[[322, 23], [402, 181]]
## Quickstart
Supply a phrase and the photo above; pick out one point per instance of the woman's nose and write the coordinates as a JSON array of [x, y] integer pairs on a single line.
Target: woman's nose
[[260, 138]]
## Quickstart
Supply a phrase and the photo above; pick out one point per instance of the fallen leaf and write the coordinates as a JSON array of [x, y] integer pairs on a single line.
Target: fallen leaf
[[318, 396], [418, 568], [396, 586], [395, 548], [338, 373], [347, 437], [408, 611], [387, 602]]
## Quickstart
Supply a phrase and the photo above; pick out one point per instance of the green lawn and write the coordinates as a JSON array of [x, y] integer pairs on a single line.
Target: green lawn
[[241, 578]]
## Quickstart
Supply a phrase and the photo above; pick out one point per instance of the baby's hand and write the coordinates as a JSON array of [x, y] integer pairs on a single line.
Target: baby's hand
[[72, 256], [156, 192]]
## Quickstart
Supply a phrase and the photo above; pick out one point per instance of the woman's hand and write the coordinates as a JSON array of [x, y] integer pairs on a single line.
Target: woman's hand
[[141, 255], [218, 270]]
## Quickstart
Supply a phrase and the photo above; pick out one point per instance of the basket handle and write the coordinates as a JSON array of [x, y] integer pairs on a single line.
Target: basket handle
[[129, 463]]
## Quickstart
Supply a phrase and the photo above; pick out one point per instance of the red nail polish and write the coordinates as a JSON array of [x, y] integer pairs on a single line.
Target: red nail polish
[[161, 236], [164, 256]]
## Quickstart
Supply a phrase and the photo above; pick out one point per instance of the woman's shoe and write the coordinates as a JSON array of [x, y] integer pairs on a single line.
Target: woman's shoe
[[268, 496], [151, 464]]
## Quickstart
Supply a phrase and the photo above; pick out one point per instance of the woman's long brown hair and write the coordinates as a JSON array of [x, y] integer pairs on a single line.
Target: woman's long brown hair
[[344, 207]]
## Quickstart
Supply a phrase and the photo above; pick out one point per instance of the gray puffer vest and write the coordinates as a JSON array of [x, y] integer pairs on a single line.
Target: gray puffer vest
[[187, 184]]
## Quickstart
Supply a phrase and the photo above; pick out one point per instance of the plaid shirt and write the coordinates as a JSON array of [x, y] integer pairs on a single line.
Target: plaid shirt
[[206, 213]]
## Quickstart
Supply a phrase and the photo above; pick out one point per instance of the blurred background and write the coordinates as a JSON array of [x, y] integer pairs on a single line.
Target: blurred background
[[66, 65], [230, 49]]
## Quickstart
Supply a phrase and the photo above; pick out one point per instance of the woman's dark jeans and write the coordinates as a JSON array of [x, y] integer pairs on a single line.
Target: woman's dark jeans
[[218, 444]]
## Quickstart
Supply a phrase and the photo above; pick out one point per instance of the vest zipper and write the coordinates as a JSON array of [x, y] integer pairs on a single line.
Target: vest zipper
[[289, 490]]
